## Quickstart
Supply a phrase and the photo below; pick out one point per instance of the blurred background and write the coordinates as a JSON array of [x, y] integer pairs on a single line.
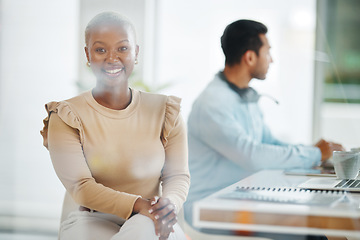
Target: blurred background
[[315, 77]]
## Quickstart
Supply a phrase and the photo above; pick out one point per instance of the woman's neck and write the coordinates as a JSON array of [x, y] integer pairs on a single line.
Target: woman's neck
[[113, 98]]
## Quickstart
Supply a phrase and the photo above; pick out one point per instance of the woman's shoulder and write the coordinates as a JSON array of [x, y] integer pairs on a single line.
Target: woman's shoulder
[[160, 100], [75, 100], [167, 108], [79, 99], [65, 111], [164, 106]]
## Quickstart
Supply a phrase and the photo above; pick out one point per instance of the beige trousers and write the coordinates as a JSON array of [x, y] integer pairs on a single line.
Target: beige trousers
[[82, 225]]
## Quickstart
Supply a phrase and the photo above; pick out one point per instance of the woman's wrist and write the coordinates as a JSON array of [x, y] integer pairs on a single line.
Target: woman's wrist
[[140, 204]]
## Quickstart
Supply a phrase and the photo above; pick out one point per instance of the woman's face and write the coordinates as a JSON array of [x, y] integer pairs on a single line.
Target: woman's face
[[111, 51]]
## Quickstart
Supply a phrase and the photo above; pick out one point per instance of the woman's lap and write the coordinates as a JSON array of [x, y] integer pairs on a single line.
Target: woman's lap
[[99, 226], [87, 225]]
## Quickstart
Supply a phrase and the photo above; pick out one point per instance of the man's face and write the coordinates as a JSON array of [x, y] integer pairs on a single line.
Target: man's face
[[263, 59]]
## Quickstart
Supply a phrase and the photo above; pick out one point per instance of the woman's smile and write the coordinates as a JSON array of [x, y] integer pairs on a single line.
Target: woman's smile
[[114, 72]]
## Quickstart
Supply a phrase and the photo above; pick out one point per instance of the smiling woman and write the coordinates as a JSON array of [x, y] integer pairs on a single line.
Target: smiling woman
[[111, 51], [118, 143]]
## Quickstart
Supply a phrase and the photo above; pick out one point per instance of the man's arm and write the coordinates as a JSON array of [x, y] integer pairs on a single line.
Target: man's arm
[[225, 134]]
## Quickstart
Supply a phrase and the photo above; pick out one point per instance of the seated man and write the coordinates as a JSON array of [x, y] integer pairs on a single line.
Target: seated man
[[228, 139]]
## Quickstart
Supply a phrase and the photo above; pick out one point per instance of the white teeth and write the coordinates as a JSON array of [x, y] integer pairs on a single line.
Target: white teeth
[[113, 71]]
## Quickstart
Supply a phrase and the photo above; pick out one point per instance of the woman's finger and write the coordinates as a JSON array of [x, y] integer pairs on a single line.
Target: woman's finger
[[157, 203], [170, 218], [171, 223], [154, 200], [162, 213], [162, 207], [165, 231]]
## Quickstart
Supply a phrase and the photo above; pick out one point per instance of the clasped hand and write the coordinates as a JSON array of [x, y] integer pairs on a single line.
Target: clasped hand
[[162, 211]]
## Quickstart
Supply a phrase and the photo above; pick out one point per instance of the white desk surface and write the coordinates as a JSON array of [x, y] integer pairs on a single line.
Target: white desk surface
[[218, 213]]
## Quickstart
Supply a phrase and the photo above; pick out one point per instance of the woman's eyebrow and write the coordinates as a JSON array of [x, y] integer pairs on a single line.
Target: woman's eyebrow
[[121, 41], [125, 40]]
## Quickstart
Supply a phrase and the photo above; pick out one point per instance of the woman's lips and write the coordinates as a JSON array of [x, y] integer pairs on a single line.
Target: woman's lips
[[113, 72]]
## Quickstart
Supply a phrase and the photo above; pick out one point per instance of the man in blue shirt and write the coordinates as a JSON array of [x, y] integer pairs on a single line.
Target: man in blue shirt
[[228, 139]]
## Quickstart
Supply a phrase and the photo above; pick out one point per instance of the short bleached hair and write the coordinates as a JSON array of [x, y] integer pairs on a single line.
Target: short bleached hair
[[107, 18]]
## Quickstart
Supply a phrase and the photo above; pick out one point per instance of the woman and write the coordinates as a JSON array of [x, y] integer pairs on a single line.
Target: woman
[[116, 149]]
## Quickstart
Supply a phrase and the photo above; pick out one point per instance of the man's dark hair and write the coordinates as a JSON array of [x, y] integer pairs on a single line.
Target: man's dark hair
[[239, 37]]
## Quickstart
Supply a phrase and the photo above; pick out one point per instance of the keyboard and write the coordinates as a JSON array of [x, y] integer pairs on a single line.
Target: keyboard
[[348, 183]]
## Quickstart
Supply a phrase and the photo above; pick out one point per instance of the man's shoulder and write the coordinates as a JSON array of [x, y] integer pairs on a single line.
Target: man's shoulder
[[217, 101], [217, 94]]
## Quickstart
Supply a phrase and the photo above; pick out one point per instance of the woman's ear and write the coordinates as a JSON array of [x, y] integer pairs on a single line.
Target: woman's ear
[[87, 53], [137, 51]]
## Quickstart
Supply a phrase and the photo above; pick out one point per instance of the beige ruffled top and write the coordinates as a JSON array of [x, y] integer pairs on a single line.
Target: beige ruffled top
[[107, 158]]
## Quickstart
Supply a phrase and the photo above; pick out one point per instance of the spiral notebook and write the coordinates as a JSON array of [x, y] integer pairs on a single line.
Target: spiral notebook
[[284, 195]]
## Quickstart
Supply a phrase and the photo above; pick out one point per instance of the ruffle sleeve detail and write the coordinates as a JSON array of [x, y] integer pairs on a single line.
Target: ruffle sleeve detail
[[172, 112], [66, 114]]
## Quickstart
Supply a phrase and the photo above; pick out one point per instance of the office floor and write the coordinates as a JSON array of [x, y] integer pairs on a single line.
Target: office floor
[[25, 236]]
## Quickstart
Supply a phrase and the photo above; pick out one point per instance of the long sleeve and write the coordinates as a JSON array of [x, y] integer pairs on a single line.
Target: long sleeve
[[68, 159], [269, 138], [227, 136], [235, 130], [175, 175]]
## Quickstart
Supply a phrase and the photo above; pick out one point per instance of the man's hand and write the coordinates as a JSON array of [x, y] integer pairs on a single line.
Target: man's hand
[[327, 148]]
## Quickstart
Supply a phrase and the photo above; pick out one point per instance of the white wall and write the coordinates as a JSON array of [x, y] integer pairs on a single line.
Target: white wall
[[38, 65], [190, 54]]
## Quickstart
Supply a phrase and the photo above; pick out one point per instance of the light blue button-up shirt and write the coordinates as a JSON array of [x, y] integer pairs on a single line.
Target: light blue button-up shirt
[[228, 140]]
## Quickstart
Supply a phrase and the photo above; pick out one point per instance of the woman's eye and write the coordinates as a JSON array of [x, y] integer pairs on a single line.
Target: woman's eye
[[100, 50], [123, 48]]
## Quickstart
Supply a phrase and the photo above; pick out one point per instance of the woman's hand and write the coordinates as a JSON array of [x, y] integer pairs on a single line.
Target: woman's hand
[[161, 211], [142, 206], [164, 212]]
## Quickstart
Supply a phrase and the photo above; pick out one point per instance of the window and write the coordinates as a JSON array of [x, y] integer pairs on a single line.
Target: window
[[337, 72], [342, 36]]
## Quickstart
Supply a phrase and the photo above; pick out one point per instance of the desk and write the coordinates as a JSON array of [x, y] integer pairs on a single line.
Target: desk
[[245, 215]]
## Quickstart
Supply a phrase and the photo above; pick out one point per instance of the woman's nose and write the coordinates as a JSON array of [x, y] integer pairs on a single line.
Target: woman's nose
[[113, 57]]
